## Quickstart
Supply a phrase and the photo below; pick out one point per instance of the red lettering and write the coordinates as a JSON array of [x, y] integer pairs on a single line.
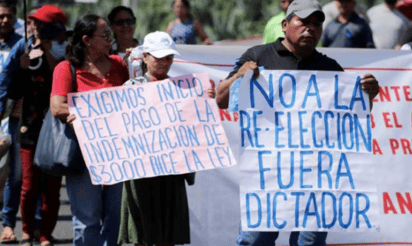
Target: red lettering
[[395, 89], [235, 116], [388, 117], [397, 93], [406, 146], [212, 82], [404, 143], [372, 121], [387, 204], [384, 94], [225, 114], [395, 120], [403, 203], [407, 93], [376, 148], [387, 120], [394, 145]]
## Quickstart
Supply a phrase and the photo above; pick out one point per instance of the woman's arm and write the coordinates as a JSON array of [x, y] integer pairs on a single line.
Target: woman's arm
[[169, 27], [59, 107], [199, 31]]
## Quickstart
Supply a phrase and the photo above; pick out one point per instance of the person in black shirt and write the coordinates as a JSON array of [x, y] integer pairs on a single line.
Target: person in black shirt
[[303, 29]]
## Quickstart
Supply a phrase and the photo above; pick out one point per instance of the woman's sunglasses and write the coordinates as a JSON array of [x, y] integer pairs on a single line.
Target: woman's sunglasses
[[121, 22]]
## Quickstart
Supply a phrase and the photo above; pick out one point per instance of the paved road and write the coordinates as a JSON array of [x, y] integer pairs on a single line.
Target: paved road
[[63, 232]]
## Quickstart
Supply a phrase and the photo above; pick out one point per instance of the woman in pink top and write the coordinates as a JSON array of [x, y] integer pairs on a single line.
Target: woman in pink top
[[95, 209]]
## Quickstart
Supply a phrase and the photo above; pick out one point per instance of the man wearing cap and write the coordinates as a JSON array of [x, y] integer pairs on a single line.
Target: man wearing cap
[[28, 74], [303, 29]]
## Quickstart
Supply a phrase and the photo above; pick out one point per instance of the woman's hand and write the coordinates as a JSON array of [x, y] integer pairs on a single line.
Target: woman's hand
[[70, 120], [211, 92], [126, 56]]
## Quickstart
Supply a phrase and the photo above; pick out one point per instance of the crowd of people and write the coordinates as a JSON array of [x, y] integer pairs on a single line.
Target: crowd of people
[[349, 24], [38, 75]]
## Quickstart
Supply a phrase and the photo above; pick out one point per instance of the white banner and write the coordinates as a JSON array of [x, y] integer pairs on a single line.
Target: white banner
[[214, 199], [166, 128], [305, 160]]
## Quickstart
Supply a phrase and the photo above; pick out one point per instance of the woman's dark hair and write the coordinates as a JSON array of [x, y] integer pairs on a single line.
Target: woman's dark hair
[[9, 4], [117, 9], [86, 25], [186, 3]]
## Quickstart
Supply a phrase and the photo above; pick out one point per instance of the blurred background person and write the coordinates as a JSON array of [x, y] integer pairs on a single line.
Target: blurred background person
[[405, 7], [185, 28], [11, 174], [123, 24], [331, 12], [273, 29], [348, 30], [95, 208], [390, 28], [29, 76]]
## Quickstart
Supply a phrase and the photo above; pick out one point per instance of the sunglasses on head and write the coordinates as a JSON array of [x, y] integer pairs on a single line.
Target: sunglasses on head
[[124, 21]]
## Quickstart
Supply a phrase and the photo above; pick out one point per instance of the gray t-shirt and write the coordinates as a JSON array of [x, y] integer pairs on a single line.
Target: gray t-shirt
[[389, 27], [354, 34]]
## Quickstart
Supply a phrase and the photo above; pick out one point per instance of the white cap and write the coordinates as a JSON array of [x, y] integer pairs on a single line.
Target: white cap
[[159, 44]]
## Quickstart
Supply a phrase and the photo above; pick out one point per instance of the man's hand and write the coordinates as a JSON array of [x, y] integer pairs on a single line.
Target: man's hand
[[371, 86], [222, 96], [250, 65]]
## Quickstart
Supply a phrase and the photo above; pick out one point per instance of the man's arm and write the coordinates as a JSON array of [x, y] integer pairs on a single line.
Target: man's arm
[[223, 90], [10, 69]]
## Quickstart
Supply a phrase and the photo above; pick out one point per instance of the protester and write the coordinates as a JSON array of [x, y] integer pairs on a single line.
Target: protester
[[407, 46], [123, 23], [303, 28], [29, 21], [185, 28], [348, 30], [95, 208], [331, 12], [12, 177], [155, 210], [29, 75], [273, 29], [405, 7], [390, 28]]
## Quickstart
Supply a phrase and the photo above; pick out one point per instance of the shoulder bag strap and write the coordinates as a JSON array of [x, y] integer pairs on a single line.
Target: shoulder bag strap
[[73, 77]]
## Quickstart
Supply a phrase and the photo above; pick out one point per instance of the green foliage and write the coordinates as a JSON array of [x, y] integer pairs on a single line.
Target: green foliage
[[221, 19]]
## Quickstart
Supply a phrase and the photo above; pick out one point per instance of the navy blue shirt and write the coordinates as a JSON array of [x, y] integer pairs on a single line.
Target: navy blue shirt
[[354, 34], [11, 41], [275, 56]]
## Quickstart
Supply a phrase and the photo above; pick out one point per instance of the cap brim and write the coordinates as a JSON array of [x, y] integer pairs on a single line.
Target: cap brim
[[163, 53], [303, 14]]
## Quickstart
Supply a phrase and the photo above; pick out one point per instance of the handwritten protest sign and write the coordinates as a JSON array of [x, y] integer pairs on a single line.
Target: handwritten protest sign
[[306, 147], [163, 128]]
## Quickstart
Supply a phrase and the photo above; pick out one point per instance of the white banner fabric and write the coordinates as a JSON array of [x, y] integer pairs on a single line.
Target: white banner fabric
[[214, 199]]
